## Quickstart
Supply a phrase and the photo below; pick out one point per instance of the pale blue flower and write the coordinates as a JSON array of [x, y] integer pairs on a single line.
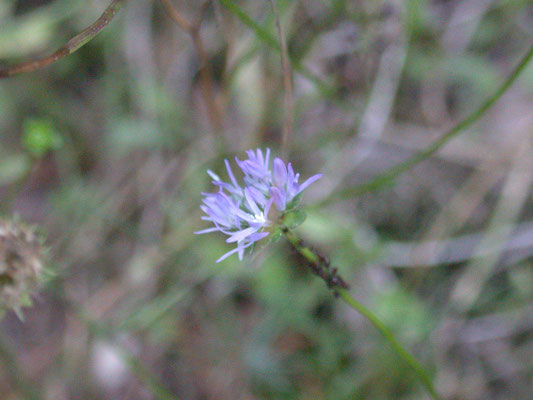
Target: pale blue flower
[[242, 212]]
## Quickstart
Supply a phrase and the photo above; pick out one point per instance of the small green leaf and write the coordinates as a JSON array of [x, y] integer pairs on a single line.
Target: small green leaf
[[294, 202], [40, 137], [294, 218]]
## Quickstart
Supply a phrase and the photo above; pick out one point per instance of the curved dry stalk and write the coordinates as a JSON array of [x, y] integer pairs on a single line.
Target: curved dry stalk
[[388, 176], [287, 83], [206, 77], [72, 45]]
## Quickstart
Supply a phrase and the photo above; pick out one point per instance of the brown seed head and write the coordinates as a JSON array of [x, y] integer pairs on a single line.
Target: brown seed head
[[21, 255]]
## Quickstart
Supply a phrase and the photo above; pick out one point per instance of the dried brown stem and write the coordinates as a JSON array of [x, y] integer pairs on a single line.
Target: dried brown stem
[[72, 45], [206, 76]]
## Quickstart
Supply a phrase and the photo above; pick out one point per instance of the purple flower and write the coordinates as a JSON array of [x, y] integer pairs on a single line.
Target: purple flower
[[256, 171], [242, 213], [285, 184], [243, 223]]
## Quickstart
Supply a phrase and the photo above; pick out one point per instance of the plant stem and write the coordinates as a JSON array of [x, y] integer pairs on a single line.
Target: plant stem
[[389, 175], [72, 45], [215, 113], [266, 37], [320, 266], [288, 99], [387, 334]]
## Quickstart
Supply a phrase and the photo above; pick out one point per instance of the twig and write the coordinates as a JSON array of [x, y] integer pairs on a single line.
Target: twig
[[206, 77], [287, 82], [72, 45]]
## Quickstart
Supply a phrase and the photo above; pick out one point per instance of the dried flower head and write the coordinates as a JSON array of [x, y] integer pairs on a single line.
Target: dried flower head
[[242, 212], [21, 254]]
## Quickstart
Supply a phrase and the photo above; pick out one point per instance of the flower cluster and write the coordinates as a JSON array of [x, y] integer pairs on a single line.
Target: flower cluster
[[242, 212]]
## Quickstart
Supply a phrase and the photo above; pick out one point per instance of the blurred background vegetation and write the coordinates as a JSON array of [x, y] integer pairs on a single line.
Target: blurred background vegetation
[[107, 150]]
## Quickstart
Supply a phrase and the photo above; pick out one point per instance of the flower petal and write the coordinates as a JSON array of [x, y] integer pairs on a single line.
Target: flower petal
[[279, 173], [213, 175], [278, 197], [214, 229], [240, 235], [304, 185], [230, 174], [267, 208], [229, 253], [251, 202], [255, 237]]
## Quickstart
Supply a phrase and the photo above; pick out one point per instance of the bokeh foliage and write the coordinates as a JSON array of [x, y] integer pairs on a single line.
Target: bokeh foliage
[[107, 151]]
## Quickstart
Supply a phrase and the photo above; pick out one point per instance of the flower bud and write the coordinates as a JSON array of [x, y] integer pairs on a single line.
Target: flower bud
[[21, 255]]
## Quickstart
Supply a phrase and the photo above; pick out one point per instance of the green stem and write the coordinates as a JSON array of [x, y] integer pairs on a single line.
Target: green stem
[[387, 334], [319, 264], [389, 175], [297, 244], [265, 36], [72, 45], [326, 273]]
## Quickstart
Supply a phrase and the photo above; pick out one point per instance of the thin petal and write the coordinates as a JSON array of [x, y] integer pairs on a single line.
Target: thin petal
[[267, 157], [251, 202], [213, 175], [267, 208], [260, 158], [241, 252], [290, 172], [258, 236], [258, 197], [229, 253], [240, 235], [278, 197], [279, 173], [314, 178], [230, 174], [214, 229]]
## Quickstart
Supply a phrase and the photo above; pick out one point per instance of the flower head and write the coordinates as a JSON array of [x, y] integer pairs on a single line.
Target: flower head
[[242, 213]]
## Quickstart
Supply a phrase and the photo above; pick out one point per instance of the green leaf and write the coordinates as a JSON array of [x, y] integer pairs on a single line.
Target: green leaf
[[294, 218], [40, 137], [294, 203]]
